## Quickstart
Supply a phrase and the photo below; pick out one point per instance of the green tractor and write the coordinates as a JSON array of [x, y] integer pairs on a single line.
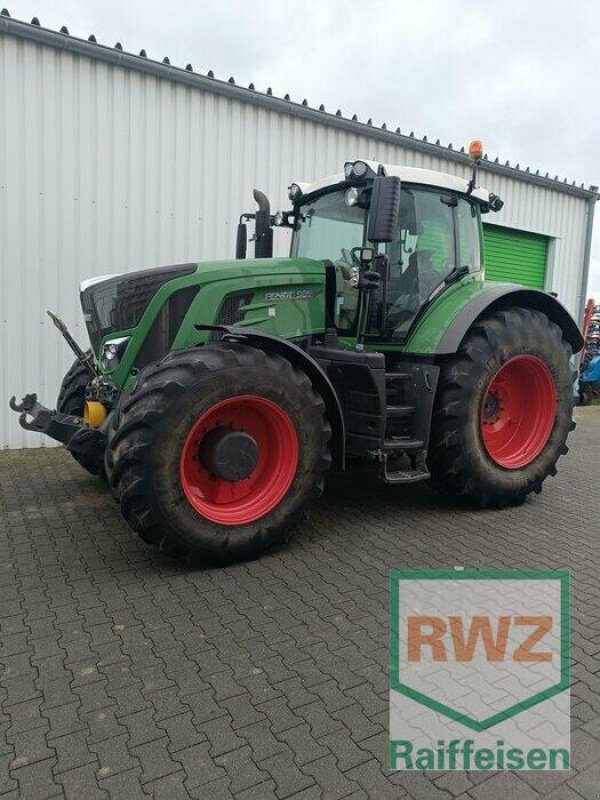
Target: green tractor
[[216, 396]]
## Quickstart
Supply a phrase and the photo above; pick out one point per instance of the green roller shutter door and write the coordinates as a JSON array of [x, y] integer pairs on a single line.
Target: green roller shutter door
[[515, 256]]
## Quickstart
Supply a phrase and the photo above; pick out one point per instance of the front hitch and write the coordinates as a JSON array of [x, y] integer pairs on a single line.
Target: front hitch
[[70, 430]]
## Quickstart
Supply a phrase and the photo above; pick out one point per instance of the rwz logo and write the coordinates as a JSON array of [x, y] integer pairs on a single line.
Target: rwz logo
[[465, 634], [478, 647]]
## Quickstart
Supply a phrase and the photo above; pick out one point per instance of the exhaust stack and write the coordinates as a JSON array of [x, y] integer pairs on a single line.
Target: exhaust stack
[[263, 236]]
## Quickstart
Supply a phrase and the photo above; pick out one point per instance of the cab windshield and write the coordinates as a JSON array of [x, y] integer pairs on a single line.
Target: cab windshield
[[328, 229]]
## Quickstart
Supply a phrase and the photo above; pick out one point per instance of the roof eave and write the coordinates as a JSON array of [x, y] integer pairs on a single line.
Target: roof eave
[[119, 57]]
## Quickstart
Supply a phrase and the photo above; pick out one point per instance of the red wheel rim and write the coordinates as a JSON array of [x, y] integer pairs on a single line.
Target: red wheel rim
[[239, 502], [517, 413]]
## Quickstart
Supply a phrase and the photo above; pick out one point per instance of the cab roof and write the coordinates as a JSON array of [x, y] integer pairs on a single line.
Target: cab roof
[[414, 175]]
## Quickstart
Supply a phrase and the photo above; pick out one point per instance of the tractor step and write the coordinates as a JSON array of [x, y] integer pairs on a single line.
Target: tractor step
[[406, 474], [397, 385], [391, 377], [400, 412], [400, 443]]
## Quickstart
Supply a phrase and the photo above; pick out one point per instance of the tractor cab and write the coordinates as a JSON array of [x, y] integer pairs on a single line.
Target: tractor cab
[[435, 240], [392, 239]]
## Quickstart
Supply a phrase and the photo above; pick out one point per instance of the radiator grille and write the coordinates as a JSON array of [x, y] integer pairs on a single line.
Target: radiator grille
[[231, 309], [119, 303], [165, 327]]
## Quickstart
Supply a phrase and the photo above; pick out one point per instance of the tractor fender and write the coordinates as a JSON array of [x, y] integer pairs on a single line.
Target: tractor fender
[[505, 295], [303, 361]]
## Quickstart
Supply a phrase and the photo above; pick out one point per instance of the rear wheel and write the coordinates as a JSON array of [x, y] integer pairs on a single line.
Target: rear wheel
[[71, 400], [504, 409], [218, 451]]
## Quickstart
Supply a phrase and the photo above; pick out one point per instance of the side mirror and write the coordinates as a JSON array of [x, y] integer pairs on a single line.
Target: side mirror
[[241, 242], [385, 209]]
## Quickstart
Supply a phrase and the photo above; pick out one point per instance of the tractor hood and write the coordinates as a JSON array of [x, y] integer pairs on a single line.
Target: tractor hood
[[118, 302], [156, 310]]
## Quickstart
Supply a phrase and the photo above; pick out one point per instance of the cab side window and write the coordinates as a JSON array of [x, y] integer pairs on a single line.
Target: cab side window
[[420, 257]]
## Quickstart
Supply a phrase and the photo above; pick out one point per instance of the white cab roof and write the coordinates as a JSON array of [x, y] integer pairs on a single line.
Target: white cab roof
[[426, 177]]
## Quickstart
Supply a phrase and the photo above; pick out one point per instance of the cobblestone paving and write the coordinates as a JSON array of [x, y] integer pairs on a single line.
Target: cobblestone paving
[[127, 674]]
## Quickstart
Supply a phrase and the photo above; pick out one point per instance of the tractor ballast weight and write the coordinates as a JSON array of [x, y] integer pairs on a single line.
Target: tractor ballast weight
[[216, 395]]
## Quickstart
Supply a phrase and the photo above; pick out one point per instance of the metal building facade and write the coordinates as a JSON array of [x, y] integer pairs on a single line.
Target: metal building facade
[[111, 162]]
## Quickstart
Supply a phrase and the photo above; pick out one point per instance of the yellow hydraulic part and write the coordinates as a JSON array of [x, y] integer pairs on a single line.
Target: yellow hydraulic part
[[94, 413]]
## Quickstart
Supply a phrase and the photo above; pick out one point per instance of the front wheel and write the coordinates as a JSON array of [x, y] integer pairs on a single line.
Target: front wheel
[[218, 451], [71, 400], [504, 409]]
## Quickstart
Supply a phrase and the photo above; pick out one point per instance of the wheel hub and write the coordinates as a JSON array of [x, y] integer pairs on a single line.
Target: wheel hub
[[518, 412], [491, 407], [228, 454]]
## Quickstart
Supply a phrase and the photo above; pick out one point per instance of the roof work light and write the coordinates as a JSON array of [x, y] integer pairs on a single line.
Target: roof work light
[[357, 170]]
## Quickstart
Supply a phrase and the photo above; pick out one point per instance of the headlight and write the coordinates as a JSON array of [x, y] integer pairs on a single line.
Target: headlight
[[495, 202], [294, 192], [112, 353], [357, 170], [351, 196]]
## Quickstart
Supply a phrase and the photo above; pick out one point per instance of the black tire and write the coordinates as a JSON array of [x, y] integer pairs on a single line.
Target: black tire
[[71, 396], [112, 423], [71, 399], [153, 424], [458, 459]]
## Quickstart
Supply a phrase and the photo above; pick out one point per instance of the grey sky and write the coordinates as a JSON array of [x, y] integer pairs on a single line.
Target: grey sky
[[522, 76]]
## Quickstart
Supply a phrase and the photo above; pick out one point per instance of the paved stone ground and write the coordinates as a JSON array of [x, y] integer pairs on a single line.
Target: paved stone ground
[[127, 674]]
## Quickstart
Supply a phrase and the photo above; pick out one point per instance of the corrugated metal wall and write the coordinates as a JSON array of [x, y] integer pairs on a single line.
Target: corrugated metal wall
[[105, 169]]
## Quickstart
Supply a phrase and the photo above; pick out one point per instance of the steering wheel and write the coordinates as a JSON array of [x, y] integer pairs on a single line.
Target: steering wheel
[[350, 256]]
